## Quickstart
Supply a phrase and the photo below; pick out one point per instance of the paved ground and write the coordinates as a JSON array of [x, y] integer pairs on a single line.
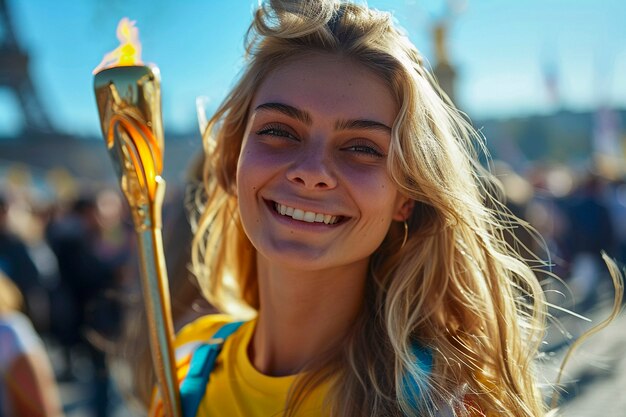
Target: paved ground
[[595, 376], [78, 394]]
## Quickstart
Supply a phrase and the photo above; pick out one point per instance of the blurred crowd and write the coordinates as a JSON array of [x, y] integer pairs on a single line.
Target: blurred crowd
[[70, 261], [578, 215], [72, 255]]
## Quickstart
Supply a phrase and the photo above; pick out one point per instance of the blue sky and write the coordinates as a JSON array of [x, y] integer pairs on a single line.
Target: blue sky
[[499, 47]]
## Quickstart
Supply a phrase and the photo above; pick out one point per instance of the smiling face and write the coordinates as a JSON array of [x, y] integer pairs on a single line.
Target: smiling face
[[312, 181]]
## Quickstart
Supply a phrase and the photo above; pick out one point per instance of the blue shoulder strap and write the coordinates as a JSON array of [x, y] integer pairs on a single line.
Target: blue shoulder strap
[[424, 361], [194, 385]]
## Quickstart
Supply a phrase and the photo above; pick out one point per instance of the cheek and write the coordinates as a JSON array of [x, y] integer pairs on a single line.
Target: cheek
[[249, 168], [246, 185], [386, 204], [257, 160], [378, 200], [373, 188], [254, 171]]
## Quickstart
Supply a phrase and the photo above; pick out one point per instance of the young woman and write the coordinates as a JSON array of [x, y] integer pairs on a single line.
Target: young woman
[[344, 204]]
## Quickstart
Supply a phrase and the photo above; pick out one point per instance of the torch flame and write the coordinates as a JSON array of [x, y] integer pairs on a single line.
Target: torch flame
[[129, 51]]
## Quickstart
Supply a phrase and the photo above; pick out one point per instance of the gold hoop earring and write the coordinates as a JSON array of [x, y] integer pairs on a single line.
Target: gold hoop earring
[[406, 234]]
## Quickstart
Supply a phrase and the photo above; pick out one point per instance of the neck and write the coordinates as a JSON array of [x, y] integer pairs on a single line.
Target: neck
[[303, 314]]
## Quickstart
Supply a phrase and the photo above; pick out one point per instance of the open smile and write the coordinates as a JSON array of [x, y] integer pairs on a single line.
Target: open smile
[[304, 215]]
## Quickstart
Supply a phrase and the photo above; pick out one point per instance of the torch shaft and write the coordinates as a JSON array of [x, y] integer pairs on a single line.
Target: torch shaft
[[156, 296]]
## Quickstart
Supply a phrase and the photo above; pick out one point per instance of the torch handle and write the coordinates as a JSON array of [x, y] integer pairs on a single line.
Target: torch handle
[[156, 295]]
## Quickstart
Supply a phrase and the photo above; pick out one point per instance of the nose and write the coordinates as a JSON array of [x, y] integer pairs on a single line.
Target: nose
[[313, 169]]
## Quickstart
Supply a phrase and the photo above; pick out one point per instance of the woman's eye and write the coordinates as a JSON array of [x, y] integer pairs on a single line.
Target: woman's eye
[[277, 131], [365, 150]]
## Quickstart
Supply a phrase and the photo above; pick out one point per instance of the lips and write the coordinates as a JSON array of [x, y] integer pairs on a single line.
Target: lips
[[305, 216]]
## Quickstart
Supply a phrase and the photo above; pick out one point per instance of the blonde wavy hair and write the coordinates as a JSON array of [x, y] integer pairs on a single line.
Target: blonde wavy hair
[[456, 287]]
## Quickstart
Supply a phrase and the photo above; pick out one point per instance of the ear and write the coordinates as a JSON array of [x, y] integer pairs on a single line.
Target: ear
[[404, 209]]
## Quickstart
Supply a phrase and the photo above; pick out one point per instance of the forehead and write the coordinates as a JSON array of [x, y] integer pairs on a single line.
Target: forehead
[[327, 85]]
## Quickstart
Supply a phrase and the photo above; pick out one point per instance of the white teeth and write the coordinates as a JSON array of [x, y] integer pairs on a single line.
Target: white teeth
[[298, 214], [308, 216]]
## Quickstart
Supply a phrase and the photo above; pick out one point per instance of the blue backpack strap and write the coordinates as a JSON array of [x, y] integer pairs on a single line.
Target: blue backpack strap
[[424, 361], [193, 386]]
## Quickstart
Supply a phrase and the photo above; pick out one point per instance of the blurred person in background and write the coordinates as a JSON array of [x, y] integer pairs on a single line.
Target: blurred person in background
[[90, 266], [27, 385], [616, 200], [590, 231], [15, 260]]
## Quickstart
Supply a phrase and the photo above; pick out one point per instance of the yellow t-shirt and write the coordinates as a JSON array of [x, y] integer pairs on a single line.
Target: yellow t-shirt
[[236, 388]]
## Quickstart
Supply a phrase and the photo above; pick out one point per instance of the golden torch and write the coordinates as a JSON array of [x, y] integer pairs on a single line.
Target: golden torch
[[128, 95]]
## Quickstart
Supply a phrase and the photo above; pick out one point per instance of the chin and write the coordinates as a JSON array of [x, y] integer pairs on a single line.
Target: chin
[[307, 259], [302, 260]]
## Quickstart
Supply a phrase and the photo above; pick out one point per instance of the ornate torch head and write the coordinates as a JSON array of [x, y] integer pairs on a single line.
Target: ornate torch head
[[129, 104]]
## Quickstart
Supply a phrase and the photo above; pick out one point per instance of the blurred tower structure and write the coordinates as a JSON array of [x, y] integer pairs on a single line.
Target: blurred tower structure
[[444, 71], [15, 76]]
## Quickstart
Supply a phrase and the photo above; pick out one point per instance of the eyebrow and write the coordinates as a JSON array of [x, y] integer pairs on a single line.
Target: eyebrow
[[287, 110], [304, 117], [362, 125]]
